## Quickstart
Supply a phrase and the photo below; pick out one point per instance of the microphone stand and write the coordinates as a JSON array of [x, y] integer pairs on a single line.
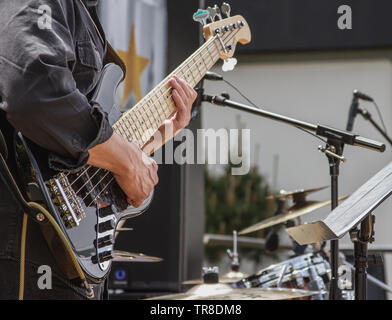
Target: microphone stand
[[365, 233], [336, 139]]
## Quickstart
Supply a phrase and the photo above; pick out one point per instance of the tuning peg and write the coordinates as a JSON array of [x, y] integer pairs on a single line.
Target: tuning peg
[[201, 16], [218, 12], [229, 64], [225, 9], [212, 12]]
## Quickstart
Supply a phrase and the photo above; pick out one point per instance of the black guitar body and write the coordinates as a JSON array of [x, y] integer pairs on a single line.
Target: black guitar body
[[89, 226]]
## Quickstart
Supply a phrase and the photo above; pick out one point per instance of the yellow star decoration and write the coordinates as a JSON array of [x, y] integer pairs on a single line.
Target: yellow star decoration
[[135, 67]]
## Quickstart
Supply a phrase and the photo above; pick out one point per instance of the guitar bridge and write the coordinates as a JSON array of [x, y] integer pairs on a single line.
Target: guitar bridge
[[66, 201]]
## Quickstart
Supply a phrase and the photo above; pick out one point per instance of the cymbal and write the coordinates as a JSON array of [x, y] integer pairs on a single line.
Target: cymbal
[[225, 292], [231, 277], [291, 194], [295, 211], [123, 256]]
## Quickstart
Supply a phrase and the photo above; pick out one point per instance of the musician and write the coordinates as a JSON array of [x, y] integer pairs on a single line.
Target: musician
[[46, 78]]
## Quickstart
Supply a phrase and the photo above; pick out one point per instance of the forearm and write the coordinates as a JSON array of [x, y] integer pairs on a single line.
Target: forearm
[[112, 155], [135, 173]]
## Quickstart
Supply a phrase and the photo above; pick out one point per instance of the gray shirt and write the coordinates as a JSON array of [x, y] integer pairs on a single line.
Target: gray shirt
[[47, 75]]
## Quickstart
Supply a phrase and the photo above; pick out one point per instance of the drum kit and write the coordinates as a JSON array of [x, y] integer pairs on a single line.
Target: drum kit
[[302, 277], [305, 276]]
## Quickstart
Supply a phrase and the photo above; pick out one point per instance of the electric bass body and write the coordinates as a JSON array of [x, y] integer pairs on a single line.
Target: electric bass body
[[88, 204]]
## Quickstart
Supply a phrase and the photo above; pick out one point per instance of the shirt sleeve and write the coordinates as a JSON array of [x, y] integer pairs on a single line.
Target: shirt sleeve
[[39, 92]]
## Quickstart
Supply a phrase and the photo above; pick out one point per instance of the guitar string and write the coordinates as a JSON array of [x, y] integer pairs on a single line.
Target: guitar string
[[176, 71], [155, 113], [142, 104], [112, 178], [209, 53], [149, 99]]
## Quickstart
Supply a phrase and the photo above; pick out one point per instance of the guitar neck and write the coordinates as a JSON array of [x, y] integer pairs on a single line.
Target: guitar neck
[[141, 122]]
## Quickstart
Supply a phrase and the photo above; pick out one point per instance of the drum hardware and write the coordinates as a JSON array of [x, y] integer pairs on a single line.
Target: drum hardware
[[228, 278], [123, 256], [307, 272], [372, 279], [349, 294], [233, 276]]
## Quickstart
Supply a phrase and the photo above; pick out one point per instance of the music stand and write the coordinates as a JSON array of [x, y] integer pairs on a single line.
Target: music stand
[[357, 209]]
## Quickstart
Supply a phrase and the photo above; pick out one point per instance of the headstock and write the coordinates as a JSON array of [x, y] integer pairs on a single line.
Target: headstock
[[228, 30]]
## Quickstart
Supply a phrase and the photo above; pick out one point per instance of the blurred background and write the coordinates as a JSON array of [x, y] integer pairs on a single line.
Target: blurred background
[[299, 64]]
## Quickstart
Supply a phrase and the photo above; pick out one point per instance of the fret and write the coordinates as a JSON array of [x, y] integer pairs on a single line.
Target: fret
[[121, 129], [133, 125], [198, 63], [153, 109], [217, 45], [141, 122], [160, 104], [152, 124], [193, 77], [168, 97], [196, 70], [136, 130], [209, 54], [130, 125], [183, 73], [160, 111], [204, 62], [157, 113], [188, 77]]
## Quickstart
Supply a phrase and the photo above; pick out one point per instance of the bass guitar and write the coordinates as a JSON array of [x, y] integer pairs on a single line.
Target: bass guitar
[[73, 199]]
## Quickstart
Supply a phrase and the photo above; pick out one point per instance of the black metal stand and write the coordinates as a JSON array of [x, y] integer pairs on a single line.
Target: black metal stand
[[361, 237], [337, 148], [336, 139]]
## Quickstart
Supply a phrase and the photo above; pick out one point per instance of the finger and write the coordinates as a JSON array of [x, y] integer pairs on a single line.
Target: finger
[[177, 86], [192, 92], [154, 164], [135, 203], [178, 100], [185, 86]]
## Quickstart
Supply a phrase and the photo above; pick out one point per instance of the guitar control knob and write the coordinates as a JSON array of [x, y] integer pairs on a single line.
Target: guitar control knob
[[104, 212], [104, 241], [103, 256], [106, 226]]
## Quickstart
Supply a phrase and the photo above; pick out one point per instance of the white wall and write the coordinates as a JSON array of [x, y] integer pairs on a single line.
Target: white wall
[[314, 90]]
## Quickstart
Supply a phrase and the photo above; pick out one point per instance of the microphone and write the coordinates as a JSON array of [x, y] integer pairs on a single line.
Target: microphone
[[354, 107], [363, 96], [353, 112], [213, 76]]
